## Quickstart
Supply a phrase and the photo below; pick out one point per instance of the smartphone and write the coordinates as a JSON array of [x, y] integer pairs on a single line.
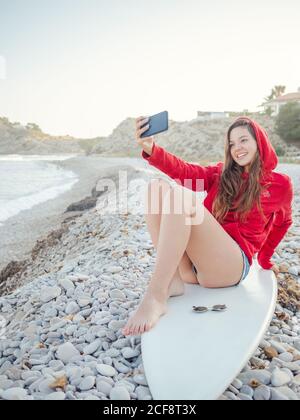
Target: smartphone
[[157, 124]]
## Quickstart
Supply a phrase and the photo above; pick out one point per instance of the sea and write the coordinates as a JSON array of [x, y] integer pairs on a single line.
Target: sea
[[28, 180]]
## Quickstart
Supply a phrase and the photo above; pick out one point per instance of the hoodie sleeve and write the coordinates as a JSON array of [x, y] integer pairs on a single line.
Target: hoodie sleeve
[[282, 222], [192, 176]]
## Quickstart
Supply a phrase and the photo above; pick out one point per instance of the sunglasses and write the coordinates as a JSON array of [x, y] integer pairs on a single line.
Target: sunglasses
[[216, 308]]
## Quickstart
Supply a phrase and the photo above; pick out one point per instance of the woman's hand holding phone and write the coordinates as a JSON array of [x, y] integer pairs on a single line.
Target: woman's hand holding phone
[[146, 142]]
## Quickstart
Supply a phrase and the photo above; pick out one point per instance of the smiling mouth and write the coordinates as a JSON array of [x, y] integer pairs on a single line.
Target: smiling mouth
[[242, 156]]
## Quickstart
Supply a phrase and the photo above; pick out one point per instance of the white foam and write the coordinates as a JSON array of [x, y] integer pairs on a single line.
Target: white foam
[[24, 184], [13, 207]]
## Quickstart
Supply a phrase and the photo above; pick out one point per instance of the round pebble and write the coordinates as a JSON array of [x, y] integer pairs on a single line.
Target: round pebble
[[119, 393], [262, 393], [87, 383], [279, 377], [56, 396], [14, 394], [66, 352], [106, 370]]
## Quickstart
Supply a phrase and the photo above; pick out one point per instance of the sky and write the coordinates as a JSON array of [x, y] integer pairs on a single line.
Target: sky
[[80, 67]]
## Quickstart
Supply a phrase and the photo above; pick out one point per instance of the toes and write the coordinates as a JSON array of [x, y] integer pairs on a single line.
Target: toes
[[131, 329], [126, 329], [140, 329], [137, 329]]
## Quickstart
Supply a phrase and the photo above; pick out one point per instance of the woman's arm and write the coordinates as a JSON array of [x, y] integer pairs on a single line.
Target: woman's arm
[[282, 222], [190, 175]]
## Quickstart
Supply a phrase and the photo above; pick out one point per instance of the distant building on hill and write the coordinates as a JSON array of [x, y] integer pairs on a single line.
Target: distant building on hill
[[210, 115], [277, 103]]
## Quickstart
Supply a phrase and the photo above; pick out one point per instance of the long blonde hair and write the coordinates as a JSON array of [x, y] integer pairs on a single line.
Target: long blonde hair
[[234, 193]]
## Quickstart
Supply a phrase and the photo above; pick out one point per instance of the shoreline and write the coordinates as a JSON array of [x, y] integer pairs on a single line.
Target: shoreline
[[19, 234]]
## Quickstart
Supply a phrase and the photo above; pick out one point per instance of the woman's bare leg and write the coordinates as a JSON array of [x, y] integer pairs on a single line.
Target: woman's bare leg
[[176, 287], [155, 193], [175, 230]]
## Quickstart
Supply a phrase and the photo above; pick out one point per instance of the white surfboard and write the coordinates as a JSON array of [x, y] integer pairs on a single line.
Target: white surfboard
[[196, 356]]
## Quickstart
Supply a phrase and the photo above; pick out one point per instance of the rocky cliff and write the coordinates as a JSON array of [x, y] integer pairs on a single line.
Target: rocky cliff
[[191, 140]]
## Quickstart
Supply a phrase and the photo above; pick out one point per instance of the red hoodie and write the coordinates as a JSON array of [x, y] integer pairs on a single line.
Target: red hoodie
[[254, 236]]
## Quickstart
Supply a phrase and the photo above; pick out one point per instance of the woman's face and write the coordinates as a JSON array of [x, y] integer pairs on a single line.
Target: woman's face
[[241, 142]]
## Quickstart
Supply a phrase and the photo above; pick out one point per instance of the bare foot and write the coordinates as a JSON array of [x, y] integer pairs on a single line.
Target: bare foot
[[176, 287], [146, 316]]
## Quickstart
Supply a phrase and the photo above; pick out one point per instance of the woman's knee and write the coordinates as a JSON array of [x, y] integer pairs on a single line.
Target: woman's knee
[[183, 201]]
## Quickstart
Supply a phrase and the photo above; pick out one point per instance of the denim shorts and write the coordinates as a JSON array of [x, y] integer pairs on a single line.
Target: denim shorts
[[245, 269]]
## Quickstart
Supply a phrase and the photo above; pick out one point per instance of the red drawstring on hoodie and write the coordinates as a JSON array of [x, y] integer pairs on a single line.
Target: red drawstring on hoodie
[[256, 235]]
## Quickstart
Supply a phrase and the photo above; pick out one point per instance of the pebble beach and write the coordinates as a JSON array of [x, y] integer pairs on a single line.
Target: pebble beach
[[63, 312]]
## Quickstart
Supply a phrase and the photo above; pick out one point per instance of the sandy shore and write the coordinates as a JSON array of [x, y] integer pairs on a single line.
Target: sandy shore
[[19, 234]]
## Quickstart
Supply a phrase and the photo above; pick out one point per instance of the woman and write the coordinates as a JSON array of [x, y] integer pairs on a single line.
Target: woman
[[247, 210]]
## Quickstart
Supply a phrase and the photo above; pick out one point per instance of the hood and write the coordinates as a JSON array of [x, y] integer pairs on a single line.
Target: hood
[[267, 153]]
